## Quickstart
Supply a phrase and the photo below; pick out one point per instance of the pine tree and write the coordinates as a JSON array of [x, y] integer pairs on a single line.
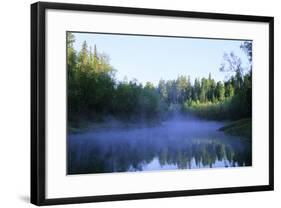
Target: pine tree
[[83, 57]]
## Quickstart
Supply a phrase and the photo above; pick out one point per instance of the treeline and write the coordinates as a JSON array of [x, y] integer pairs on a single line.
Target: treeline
[[232, 99], [210, 99], [94, 93]]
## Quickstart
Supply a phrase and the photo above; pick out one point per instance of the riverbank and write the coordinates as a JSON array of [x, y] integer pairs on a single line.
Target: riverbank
[[242, 127], [109, 124]]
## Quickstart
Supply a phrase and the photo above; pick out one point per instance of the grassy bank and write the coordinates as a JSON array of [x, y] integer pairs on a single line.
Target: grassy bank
[[241, 128], [229, 109]]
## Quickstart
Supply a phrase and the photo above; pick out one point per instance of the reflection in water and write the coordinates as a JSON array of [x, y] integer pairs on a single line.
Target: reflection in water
[[178, 144]]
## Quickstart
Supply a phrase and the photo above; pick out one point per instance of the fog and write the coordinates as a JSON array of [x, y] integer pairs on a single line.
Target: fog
[[179, 143]]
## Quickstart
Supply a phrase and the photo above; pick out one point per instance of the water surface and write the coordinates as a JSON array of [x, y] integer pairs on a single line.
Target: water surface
[[175, 144]]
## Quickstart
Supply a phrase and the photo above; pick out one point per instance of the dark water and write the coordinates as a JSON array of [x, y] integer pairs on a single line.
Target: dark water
[[176, 144]]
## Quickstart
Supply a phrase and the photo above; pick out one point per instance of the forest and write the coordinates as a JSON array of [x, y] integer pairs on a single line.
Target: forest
[[95, 95]]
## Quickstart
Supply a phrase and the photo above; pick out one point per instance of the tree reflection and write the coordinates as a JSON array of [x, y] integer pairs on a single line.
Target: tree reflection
[[94, 156]]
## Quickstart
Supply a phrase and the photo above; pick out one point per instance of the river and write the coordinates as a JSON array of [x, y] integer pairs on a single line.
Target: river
[[175, 144]]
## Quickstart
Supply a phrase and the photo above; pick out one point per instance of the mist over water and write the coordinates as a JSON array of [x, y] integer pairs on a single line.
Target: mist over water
[[179, 143]]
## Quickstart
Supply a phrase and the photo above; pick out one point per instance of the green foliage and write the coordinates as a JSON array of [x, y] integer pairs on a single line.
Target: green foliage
[[94, 94], [241, 127], [233, 98], [133, 102], [231, 108]]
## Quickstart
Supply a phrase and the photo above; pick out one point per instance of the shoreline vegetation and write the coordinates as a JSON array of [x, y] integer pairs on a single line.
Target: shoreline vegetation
[[95, 96], [242, 128]]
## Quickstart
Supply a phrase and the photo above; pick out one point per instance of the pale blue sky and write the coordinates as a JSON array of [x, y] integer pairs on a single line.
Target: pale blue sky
[[147, 58]]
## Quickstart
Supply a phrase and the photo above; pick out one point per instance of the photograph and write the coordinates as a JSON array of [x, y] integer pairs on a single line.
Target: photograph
[[151, 103], [135, 103]]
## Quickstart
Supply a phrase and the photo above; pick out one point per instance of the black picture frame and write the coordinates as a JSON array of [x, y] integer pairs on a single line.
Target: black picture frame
[[38, 102]]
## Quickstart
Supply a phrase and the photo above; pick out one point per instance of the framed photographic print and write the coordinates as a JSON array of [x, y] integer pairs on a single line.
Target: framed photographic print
[[134, 103]]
